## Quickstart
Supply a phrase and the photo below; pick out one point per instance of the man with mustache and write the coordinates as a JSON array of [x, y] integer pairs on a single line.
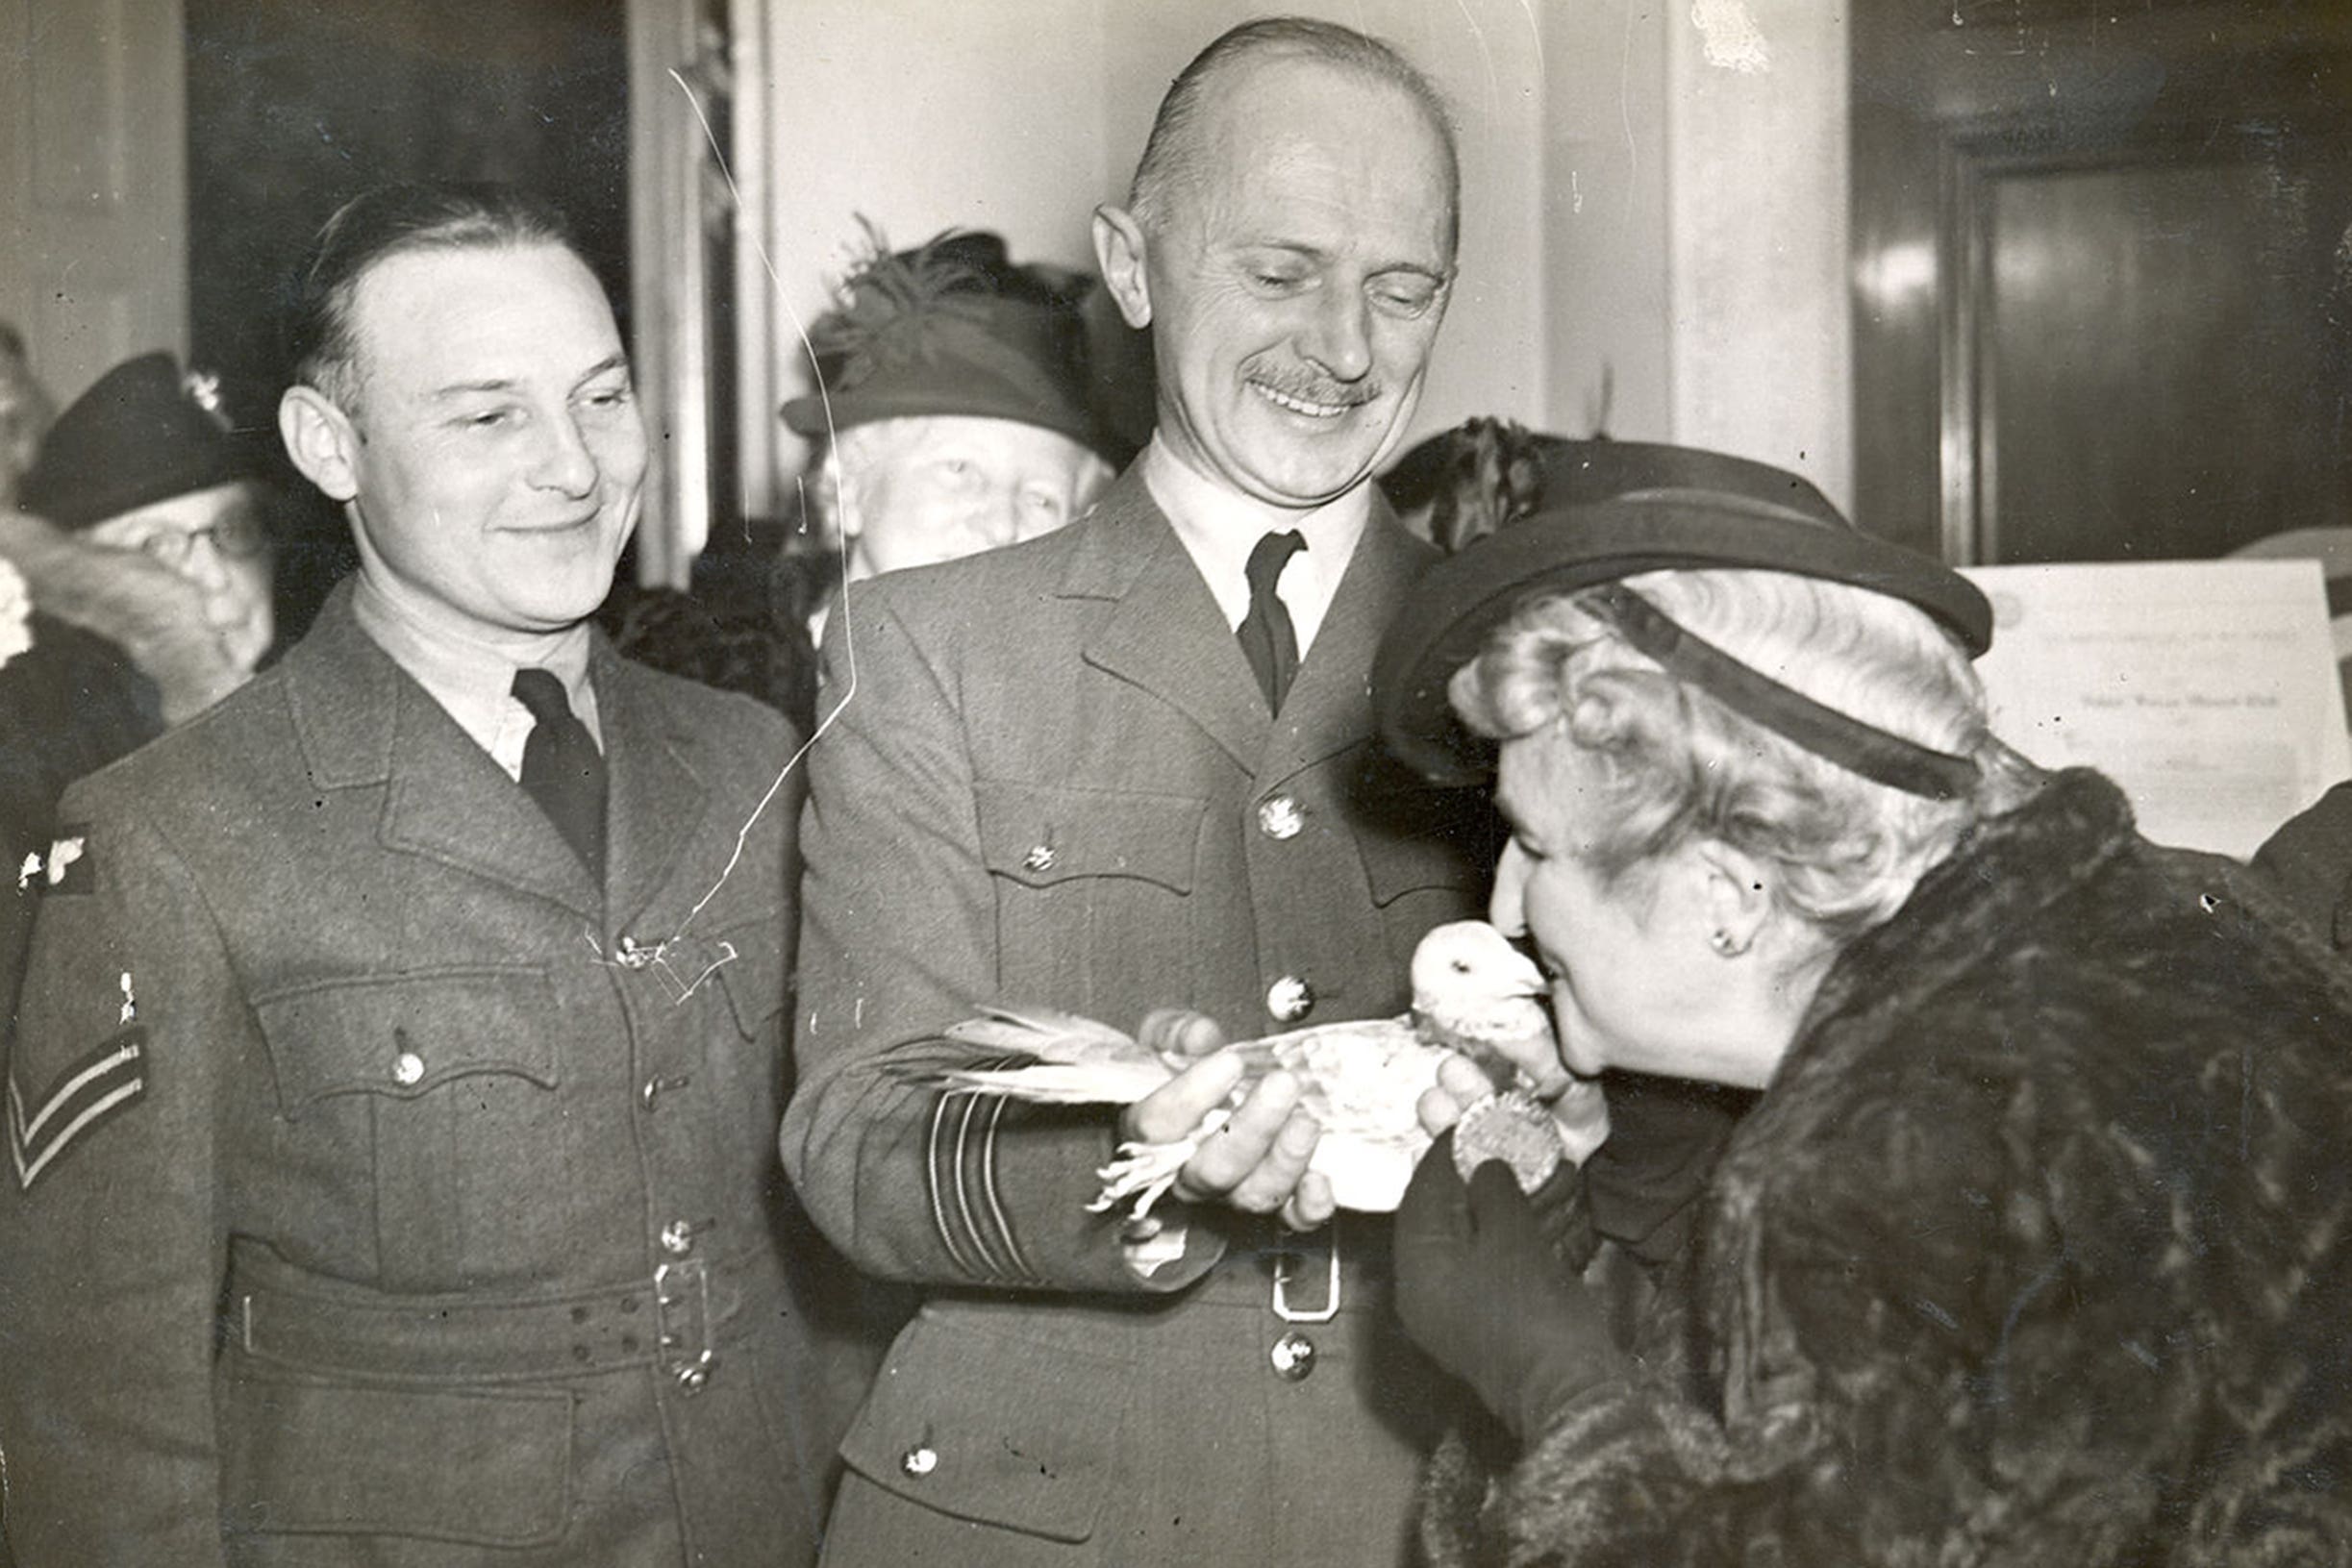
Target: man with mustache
[[391, 1120], [1127, 768]]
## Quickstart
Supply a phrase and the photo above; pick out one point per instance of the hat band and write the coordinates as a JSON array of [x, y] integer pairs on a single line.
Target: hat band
[[1877, 754]]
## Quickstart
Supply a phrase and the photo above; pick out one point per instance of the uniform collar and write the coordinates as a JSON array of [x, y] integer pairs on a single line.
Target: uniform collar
[[1219, 527], [473, 678]]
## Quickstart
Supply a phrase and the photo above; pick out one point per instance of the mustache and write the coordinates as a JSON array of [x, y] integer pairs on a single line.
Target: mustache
[[1309, 388]]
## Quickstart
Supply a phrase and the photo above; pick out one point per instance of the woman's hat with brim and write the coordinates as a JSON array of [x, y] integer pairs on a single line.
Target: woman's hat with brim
[[952, 329], [143, 432], [1612, 510]]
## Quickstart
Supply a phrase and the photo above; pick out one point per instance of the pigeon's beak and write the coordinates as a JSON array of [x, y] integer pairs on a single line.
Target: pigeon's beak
[[1527, 975]]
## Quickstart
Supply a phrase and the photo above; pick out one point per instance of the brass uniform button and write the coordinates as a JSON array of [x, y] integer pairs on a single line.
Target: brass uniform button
[[408, 1069], [1292, 1355], [678, 1238], [919, 1461], [1289, 999], [1281, 817]]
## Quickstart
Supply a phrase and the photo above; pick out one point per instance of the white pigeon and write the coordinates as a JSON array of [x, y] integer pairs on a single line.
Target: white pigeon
[[1473, 991]]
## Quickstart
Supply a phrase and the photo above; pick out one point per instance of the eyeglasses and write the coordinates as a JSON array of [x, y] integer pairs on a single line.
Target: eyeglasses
[[237, 536]]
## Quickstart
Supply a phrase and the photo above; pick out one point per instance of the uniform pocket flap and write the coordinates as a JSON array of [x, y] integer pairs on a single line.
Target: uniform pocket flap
[[1041, 835], [485, 1468], [983, 1428], [751, 972], [404, 1035], [1401, 865]]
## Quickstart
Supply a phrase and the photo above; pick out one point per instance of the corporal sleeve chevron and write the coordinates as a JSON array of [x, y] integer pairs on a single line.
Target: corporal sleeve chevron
[[44, 1123], [111, 1229]]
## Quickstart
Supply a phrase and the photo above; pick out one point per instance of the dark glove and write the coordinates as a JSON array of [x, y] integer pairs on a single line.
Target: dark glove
[[1481, 1285]]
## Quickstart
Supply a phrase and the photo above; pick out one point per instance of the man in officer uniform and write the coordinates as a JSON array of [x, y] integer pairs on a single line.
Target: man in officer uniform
[[1125, 767], [390, 1128]]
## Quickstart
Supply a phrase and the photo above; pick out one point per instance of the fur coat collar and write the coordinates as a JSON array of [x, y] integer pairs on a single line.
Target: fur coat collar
[[2039, 1247], [148, 612]]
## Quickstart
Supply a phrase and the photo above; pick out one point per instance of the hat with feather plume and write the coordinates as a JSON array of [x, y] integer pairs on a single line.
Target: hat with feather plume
[[950, 328]]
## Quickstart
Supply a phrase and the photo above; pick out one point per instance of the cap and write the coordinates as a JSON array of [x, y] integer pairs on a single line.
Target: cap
[[143, 432], [1612, 510], [953, 328]]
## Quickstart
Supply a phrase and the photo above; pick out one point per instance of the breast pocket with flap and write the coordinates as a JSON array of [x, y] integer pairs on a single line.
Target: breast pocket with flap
[[443, 1081], [1093, 887]]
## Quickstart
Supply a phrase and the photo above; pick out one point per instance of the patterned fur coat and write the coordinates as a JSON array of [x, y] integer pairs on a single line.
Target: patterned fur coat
[[2037, 1251]]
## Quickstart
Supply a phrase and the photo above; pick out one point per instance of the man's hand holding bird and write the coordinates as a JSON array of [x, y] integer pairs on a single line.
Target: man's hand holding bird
[[1331, 1116]]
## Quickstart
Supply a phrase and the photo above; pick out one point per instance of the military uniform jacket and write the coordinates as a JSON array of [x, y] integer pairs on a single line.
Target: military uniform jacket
[[1052, 778], [380, 1192]]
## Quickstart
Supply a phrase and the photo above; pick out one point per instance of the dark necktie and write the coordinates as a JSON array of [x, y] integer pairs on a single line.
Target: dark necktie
[[562, 767], [1268, 641]]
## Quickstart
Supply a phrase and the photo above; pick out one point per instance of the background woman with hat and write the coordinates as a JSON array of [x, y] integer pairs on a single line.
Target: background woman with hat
[[2034, 1248], [149, 573], [952, 406], [951, 415]]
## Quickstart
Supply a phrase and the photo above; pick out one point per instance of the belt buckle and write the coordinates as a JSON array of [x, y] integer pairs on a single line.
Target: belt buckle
[[682, 1292], [1324, 1313]]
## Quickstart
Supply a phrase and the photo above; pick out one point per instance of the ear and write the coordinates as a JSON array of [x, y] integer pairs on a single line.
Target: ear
[[841, 492], [1120, 249], [1738, 897], [322, 440]]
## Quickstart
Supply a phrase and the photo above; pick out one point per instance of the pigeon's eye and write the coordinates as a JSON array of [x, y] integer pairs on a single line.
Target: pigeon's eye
[[1461, 966]]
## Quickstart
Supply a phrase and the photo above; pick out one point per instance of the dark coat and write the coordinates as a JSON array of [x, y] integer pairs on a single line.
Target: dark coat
[[2037, 1250], [69, 705], [368, 1158], [743, 627], [1046, 787], [2310, 862]]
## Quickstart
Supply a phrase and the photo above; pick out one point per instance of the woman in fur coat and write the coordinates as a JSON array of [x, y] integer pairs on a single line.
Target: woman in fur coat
[[2037, 1247]]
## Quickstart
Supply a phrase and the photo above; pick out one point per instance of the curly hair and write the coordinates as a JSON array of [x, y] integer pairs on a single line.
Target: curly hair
[[1665, 763]]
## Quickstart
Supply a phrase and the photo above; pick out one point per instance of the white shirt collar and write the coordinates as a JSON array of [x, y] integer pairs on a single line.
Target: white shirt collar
[[473, 678], [1220, 527]]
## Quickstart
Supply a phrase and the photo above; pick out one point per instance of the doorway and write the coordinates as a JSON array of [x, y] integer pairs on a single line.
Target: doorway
[[2102, 264]]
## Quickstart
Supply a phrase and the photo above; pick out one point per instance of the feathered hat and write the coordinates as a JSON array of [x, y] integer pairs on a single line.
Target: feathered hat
[[952, 328]]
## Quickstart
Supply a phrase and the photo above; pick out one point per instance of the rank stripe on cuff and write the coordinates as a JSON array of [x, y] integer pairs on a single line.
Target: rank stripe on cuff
[[930, 1180], [957, 1161], [87, 1093], [964, 1197], [996, 1210]]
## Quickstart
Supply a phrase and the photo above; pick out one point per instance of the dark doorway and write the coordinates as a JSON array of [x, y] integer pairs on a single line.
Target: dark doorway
[[2103, 263], [295, 105]]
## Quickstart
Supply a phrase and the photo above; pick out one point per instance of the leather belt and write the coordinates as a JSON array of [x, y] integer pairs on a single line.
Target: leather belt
[[674, 1319]]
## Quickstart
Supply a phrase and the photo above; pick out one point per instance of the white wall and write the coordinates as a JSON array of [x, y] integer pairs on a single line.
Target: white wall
[[1761, 330], [1604, 235], [93, 198], [921, 117], [1630, 203], [1695, 227]]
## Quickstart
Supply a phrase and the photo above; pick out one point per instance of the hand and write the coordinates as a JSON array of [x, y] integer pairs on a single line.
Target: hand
[[1485, 1292], [1461, 1084], [1257, 1162], [1577, 1106]]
